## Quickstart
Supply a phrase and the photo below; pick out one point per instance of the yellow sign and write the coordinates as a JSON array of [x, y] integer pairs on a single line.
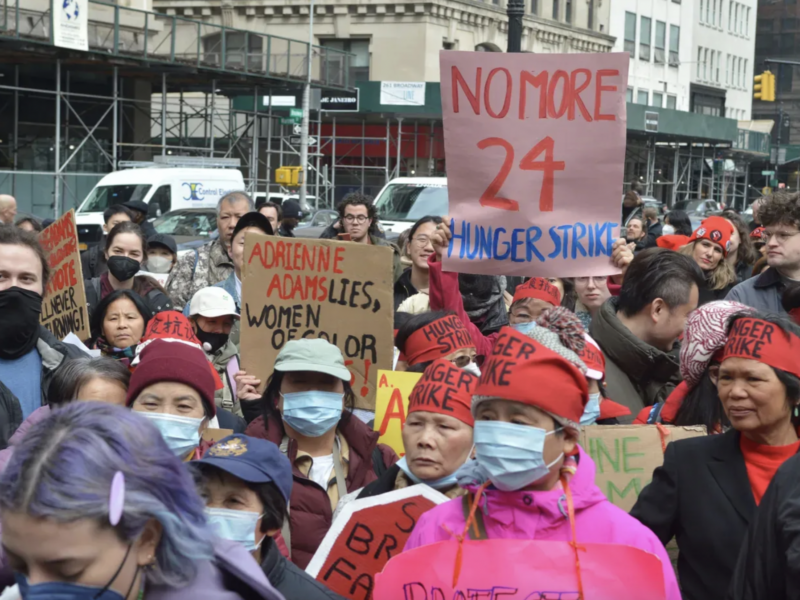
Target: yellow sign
[[391, 406]]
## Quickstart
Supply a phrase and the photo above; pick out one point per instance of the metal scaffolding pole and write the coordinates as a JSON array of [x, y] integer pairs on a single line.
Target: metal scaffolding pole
[[388, 143], [163, 114], [363, 157], [254, 145], [399, 143], [213, 105], [675, 174], [333, 166], [269, 143], [318, 153], [16, 130], [114, 132], [57, 183]]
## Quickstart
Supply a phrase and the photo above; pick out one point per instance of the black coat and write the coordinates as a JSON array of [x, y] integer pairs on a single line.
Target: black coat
[[768, 567], [384, 483], [403, 288], [289, 579], [10, 415], [702, 497]]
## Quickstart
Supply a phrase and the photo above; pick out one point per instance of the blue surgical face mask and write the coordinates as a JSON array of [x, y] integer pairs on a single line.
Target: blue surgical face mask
[[524, 328], [592, 411], [312, 413], [442, 483], [511, 455], [235, 525], [182, 434], [64, 590]]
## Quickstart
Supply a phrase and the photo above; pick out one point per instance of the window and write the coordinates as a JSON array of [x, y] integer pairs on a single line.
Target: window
[[661, 43], [727, 69], [641, 97], [713, 12], [674, 43], [746, 76], [568, 11], [644, 40], [630, 33], [672, 101], [705, 64], [699, 62], [161, 202], [535, 7], [658, 99], [708, 11], [448, 45], [629, 95], [747, 22], [555, 10], [590, 18], [359, 64], [702, 10], [716, 72], [730, 15], [236, 50]]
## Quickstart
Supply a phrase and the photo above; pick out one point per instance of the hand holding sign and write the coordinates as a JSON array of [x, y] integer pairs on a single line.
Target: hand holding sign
[[440, 238]]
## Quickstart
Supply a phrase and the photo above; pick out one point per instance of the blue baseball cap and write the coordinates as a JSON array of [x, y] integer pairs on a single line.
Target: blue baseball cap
[[252, 460]]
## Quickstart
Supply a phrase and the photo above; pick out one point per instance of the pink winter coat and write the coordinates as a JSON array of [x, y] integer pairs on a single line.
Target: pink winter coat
[[526, 515]]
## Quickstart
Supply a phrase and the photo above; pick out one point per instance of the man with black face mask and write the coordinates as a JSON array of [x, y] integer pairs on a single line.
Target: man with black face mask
[[213, 313], [29, 354]]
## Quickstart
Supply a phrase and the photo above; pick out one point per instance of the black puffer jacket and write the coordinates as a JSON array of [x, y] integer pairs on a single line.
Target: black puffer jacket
[[768, 566], [290, 580]]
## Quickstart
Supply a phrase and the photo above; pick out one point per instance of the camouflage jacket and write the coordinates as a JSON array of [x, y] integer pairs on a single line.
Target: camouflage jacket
[[196, 270]]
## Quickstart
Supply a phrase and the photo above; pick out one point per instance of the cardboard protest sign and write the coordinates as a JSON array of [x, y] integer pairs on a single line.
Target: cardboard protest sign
[[391, 406], [535, 147], [522, 570], [365, 536], [64, 304], [627, 455], [300, 288]]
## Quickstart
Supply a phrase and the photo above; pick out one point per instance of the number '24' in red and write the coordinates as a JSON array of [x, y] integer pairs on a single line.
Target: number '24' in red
[[548, 166]]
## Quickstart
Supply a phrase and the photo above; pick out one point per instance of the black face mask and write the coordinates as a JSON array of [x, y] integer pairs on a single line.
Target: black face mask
[[19, 321], [122, 267], [212, 342]]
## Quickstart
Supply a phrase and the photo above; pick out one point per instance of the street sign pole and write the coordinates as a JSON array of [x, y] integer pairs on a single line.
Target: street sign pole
[[306, 110]]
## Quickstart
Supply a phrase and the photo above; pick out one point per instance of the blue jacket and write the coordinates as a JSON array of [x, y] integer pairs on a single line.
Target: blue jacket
[[762, 293]]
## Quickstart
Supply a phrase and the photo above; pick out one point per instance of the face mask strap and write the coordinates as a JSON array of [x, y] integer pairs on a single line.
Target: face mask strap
[[119, 570]]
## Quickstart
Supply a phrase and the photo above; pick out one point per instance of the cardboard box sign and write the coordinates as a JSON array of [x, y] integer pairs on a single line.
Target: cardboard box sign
[[522, 570], [64, 305], [296, 288], [627, 455], [365, 536], [391, 406]]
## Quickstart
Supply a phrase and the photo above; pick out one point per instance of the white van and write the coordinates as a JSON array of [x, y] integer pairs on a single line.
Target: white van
[[405, 200], [162, 188]]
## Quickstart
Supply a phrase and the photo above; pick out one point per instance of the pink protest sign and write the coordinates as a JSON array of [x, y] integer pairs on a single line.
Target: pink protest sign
[[535, 147], [521, 570]]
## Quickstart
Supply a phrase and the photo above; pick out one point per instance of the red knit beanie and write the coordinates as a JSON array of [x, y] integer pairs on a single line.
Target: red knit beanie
[[523, 370], [717, 230], [446, 390], [177, 362], [540, 288]]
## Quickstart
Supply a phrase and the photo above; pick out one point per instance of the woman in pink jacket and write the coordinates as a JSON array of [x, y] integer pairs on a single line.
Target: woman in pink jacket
[[526, 443]]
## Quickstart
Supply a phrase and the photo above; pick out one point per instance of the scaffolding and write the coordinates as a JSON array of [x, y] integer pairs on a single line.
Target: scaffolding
[[149, 85]]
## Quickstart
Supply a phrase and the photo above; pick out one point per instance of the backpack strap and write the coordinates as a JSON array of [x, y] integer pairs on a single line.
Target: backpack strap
[[477, 529]]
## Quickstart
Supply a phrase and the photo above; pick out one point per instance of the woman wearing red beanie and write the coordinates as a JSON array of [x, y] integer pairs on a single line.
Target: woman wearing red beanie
[[173, 387], [708, 247], [527, 453]]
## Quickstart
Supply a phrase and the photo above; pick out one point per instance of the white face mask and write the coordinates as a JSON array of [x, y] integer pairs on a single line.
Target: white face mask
[[473, 368], [159, 264], [668, 230]]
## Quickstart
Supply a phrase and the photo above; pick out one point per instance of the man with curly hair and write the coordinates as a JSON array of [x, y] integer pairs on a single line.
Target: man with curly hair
[[780, 217]]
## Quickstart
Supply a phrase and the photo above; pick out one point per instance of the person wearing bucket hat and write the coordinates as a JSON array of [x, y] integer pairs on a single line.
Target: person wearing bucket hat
[[708, 247], [174, 388], [695, 400], [527, 455], [706, 492], [213, 314], [306, 409], [246, 483], [437, 432]]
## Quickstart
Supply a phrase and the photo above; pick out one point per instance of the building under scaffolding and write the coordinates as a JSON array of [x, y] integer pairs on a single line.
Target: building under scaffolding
[[68, 117]]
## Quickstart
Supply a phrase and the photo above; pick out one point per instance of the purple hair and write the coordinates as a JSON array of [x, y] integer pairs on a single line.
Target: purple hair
[[63, 470]]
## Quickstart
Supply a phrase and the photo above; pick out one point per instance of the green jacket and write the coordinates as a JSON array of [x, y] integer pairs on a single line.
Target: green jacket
[[398, 266]]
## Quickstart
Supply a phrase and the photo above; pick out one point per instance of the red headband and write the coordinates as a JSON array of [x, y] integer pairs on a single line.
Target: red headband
[[764, 342], [540, 288], [446, 390], [437, 340]]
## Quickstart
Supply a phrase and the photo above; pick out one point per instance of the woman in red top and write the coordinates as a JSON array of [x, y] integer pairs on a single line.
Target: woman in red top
[[705, 494]]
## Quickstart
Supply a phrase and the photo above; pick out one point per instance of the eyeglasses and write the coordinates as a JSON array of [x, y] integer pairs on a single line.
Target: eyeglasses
[[357, 218], [597, 279], [780, 236], [463, 361], [421, 241]]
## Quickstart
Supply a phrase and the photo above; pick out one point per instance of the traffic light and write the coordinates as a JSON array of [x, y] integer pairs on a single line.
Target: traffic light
[[764, 87]]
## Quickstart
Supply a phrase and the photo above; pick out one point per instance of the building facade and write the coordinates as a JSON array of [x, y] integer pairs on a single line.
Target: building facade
[[401, 41], [723, 47], [658, 37]]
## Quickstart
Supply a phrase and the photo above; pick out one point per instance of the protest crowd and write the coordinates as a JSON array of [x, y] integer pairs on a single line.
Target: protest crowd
[[269, 417]]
